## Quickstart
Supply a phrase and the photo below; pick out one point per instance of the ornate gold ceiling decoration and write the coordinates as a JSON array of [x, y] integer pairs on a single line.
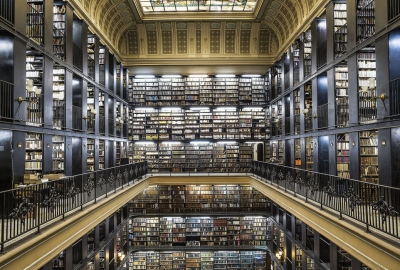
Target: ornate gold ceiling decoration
[[258, 36]]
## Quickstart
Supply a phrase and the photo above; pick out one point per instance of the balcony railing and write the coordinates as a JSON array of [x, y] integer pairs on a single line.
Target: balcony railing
[[367, 106], [102, 125], [366, 21], [58, 114], [394, 93], [76, 118], [6, 100], [7, 10], [322, 116], [342, 112], [374, 206], [321, 54], [77, 60], [35, 206], [287, 81], [297, 124], [393, 9], [35, 20]]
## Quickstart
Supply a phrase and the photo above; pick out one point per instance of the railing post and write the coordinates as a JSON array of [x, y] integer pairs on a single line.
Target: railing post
[[366, 218], [2, 223], [82, 177]]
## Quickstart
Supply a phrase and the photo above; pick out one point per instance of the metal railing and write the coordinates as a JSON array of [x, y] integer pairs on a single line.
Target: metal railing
[[322, 116], [7, 10], [77, 118], [287, 125], [308, 121], [59, 42], [321, 54], [77, 59], [367, 106], [340, 41], [58, 114], [374, 206], [102, 125], [91, 67], [394, 93], [342, 112], [287, 80], [393, 8], [366, 21], [297, 124], [6, 100], [91, 122], [296, 75], [34, 109], [34, 206], [35, 20]]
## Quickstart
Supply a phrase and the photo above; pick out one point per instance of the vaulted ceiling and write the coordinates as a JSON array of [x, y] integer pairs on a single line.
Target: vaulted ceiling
[[141, 38]]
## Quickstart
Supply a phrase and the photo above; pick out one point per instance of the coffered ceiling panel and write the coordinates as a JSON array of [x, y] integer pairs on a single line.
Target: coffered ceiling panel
[[257, 34]]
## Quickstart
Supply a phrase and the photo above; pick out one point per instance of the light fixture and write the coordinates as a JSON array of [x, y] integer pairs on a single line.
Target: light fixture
[[171, 142], [170, 109], [198, 76], [225, 109], [144, 142], [144, 76], [19, 145], [353, 143], [226, 142], [171, 76], [251, 75], [48, 145], [383, 142], [225, 75], [279, 254], [34, 93]]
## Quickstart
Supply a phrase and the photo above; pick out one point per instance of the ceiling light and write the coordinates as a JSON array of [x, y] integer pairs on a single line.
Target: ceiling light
[[171, 76], [144, 76], [225, 75], [251, 75], [198, 75]]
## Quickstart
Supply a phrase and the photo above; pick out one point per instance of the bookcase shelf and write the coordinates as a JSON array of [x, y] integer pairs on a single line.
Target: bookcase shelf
[[365, 19], [35, 20], [340, 28], [33, 155], [369, 170], [59, 30], [342, 101], [309, 154], [343, 155], [367, 84], [58, 153]]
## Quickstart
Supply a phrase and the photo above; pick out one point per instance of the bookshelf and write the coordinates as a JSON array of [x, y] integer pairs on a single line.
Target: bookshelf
[[340, 28], [207, 260], [102, 66], [367, 84], [257, 91], [343, 155], [166, 260], [153, 231], [91, 47], [152, 260], [34, 87], [297, 154], [365, 19], [309, 154], [308, 106], [58, 153], [343, 259], [307, 53], [152, 93], [178, 231], [91, 109], [33, 154], [91, 241], [298, 258], [296, 95], [101, 155], [102, 259], [58, 97], [193, 260], [178, 91], [342, 100], [192, 91], [35, 20], [138, 260], [139, 232], [245, 90], [178, 260], [59, 30], [165, 231], [102, 113], [369, 171], [296, 62]]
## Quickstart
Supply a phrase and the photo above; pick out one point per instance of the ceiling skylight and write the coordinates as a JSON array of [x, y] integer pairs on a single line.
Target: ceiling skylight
[[150, 6]]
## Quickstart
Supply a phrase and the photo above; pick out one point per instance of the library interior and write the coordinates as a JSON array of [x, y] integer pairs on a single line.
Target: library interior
[[199, 134]]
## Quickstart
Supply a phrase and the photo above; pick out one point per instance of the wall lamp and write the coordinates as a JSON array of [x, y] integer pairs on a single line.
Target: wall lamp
[[34, 93], [368, 92], [279, 255]]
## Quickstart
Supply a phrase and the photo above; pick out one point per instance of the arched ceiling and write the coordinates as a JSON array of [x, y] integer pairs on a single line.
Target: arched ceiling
[[203, 38]]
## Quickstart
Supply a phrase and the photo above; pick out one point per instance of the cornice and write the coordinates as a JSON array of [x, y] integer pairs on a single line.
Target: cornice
[[212, 61]]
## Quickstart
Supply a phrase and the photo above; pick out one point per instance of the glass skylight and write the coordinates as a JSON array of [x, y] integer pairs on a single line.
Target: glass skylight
[[198, 5]]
